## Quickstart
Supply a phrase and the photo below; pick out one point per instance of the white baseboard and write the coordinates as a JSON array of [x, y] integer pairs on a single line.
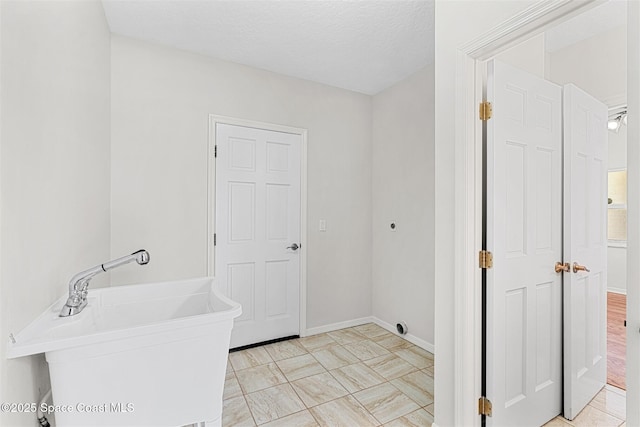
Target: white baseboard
[[371, 319], [335, 326], [617, 290], [409, 337]]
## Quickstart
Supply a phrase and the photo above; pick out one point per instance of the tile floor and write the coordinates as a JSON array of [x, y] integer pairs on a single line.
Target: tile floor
[[607, 409], [360, 376]]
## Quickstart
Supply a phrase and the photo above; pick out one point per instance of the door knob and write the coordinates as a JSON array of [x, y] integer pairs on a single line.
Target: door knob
[[577, 267], [293, 247], [562, 267]]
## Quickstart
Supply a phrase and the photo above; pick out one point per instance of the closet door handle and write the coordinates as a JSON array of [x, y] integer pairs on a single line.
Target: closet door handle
[[577, 267], [560, 267]]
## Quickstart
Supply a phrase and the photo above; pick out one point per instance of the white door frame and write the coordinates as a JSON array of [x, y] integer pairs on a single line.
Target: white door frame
[[468, 201], [211, 199]]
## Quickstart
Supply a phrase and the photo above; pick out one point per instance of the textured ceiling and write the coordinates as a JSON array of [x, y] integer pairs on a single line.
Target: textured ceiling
[[364, 46], [588, 24]]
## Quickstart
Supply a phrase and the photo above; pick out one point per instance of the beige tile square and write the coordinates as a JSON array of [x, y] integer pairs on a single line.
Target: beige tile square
[[418, 357], [431, 408], [591, 416], [429, 370], [273, 403], [260, 377], [249, 358], [231, 387], [370, 330], [418, 386], [558, 422], [390, 366], [335, 357], [357, 377], [365, 350], [299, 419], [300, 367], [386, 402], [317, 342], [419, 418], [346, 336], [343, 412], [318, 389], [615, 389], [235, 413], [393, 342], [285, 349], [229, 367], [611, 402], [382, 336]]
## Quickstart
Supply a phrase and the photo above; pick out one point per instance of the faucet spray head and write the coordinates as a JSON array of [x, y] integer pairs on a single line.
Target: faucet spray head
[[142, 257]]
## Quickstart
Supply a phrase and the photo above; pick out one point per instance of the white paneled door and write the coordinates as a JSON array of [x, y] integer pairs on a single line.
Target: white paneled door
[[257, 225], [546, 151], [524, 232], [585, 219]]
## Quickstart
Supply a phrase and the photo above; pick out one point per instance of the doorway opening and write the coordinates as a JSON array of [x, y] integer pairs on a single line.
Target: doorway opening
[[475, 51], [561, 60], [617, 247]]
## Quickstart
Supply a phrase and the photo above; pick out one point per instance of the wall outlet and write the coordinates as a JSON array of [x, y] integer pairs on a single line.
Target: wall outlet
[[323, 225]]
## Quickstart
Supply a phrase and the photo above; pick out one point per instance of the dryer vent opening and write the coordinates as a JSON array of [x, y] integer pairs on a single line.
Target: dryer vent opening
[[402, 328]]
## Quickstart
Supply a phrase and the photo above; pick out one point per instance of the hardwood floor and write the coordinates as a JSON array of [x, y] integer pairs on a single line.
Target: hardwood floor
[[616, 339]]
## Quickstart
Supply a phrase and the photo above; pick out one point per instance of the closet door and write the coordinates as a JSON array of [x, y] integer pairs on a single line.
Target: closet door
[[585, 248], [524, 233]]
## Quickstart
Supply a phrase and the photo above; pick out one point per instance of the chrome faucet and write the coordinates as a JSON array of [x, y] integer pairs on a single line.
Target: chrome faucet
[[79, 284]]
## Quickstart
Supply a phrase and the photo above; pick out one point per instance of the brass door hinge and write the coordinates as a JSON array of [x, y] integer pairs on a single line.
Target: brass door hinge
[[486, 259], [484, 406], [486, 111]]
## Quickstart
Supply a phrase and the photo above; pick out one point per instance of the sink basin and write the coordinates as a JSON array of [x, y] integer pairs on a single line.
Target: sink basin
[[152, 354]]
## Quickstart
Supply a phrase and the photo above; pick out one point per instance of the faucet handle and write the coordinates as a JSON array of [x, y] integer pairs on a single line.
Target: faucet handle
[[73, 306], [74, 300]]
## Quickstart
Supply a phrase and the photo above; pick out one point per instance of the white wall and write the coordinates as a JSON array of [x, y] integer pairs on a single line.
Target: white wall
[[617, 256], [529, 55], [617, 269], [403, 186], [598, 65], [54, 168], [618, 148], [633, 203], [456, 23], [161, 98]]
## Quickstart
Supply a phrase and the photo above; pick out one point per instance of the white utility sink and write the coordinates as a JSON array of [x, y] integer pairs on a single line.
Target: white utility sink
[[152, 354]]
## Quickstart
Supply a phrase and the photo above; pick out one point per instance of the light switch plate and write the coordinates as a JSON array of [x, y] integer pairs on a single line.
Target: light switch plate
[[323, 225]]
